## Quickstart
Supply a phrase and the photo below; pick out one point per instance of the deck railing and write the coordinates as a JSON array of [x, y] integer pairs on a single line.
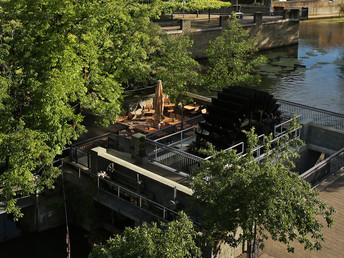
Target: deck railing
[[175, 128], [321, 171], [319, 116], [171, 157]]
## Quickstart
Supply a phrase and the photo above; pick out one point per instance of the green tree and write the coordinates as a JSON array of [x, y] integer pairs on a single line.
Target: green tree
[[260, 197], [194, 5], [231, 58], [175, 67], [173, 239], [57, 59]]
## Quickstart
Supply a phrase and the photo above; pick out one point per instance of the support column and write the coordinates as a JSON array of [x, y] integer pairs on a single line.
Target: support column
[[223, 21], [258, 17], [185, 26]]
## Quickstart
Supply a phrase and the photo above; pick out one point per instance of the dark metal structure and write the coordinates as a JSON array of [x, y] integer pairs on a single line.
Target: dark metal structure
[[234, 110]]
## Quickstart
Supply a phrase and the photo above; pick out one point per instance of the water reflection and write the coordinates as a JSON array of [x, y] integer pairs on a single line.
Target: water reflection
[[311, 73]]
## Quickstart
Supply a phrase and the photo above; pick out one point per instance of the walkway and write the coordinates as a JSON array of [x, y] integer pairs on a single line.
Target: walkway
[[331, 192], [202, 22]]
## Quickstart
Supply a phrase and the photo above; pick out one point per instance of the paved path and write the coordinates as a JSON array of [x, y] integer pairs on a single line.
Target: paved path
[[202, 22], [332, 192]]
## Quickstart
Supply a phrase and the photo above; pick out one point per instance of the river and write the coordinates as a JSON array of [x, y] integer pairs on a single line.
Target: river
[[311, 73]]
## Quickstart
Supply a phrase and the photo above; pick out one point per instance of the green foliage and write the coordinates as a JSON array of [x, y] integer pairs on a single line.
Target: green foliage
[[173, 239], [231, 58], [240, 192], [194, 5], [341, 8], [58, 58], [175, 67]]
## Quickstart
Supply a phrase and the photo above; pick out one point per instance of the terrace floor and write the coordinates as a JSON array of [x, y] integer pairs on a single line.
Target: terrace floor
[[331, 192]]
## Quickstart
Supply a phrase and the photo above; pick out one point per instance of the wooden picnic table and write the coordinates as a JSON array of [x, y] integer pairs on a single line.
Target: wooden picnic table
[[173, 123], [145, 129], [189, 107], [148, 112], [169, 105]]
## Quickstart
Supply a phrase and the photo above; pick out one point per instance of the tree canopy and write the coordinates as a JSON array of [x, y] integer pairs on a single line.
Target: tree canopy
[[57, 59], [177, 70], [173, 239], [239, 192], [194, 5], [231, 58]]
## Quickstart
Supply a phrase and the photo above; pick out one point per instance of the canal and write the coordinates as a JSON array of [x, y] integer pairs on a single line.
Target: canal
[[311, 73]]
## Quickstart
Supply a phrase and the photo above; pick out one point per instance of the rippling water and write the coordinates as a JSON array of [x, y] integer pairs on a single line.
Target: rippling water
[[311, 73]]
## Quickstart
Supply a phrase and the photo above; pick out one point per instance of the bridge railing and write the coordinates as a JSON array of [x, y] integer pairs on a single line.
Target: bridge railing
[[321, 171], [319, 116]]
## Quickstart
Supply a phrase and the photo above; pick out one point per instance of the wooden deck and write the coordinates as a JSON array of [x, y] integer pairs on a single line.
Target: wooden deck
[[332, 192]]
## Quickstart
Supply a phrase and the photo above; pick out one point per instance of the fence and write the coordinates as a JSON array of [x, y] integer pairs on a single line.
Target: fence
[[319, 116], [318, 173]]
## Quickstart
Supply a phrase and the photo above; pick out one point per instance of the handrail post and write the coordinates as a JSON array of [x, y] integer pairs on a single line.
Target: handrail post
[[181, 139]]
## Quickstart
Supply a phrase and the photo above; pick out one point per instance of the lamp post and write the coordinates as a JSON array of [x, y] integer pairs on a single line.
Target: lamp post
[[183, 8]]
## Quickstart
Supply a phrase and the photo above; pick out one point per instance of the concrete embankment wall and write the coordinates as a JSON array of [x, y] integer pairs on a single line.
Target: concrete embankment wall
[[324, 139], [272, 34], [316, 9], [275, 34]]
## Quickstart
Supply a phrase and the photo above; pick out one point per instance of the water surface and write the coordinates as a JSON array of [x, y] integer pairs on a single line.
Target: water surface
[[311, 73]]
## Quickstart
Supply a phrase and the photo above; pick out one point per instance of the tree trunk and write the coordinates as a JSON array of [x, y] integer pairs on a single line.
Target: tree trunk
[[255, 251], [209, 15]]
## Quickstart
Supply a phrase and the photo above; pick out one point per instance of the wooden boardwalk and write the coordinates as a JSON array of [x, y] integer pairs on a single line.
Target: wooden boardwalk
[[332, 192]]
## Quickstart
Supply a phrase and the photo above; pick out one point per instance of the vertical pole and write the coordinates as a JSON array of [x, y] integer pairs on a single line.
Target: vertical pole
[[79, 173], [181, 139], [37, 211], [174, 193]]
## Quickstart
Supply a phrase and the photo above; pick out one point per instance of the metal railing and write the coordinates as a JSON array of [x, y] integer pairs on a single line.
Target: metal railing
[[79, 152], [319, 116], [321, 171], [118, 191], [177, 137], [186, 162], [169, 156], [175, 128]]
